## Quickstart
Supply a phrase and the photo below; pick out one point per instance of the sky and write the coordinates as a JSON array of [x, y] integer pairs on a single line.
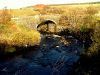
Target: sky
[[12, 4]]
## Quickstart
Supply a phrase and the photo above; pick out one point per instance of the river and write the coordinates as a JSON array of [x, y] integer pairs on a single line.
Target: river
[[55, 56]]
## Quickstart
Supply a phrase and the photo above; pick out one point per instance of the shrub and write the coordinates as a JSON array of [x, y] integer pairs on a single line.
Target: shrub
[[5, 16], [95, 47]]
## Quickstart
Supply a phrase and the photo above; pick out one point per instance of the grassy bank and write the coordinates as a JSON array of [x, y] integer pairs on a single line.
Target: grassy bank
[[17, 35]]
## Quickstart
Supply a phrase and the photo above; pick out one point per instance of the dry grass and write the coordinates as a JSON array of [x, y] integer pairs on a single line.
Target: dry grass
[[18, 35]]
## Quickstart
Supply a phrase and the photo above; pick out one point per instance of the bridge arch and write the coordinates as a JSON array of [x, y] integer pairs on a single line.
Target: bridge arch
[[49, 24]]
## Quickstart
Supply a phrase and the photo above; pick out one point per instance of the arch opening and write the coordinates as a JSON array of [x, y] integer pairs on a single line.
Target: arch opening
[[47, 26]]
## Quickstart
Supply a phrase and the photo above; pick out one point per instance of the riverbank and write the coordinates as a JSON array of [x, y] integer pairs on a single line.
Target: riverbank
[[19, 51], [12, 36], [87, 65]]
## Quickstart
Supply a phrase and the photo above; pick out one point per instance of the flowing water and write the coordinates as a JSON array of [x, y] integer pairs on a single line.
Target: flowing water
[[55, 56]]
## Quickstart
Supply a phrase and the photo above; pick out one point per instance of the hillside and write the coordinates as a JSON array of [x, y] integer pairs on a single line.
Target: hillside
[[38, 9], [41, 8]]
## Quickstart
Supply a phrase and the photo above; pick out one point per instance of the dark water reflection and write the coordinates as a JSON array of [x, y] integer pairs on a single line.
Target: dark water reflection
[[53, 57]]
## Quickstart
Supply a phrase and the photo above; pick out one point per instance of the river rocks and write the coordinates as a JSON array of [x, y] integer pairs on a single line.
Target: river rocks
[[33, 68], [52, 57], [9, 67]]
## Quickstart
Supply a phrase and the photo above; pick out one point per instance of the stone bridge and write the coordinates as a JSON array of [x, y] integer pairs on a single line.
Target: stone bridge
[[40, 22]]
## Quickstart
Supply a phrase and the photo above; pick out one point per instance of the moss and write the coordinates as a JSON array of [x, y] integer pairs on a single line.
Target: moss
[[83, 29], [10, 49]]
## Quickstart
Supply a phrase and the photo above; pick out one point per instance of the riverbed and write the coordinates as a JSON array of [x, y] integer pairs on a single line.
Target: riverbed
[[54, 56]]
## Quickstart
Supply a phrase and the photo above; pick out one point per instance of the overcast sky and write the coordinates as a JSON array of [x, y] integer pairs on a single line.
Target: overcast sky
[[23, 3]]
